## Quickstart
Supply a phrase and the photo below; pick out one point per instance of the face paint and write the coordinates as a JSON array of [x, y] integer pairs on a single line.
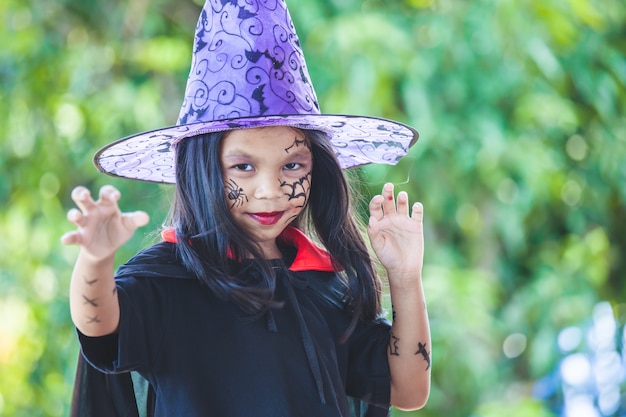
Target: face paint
[[297, 142], [301, 188], [235, 194], [267, 173], [298, 189]]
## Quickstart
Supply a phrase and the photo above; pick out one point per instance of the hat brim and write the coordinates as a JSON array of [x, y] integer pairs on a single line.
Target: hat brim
[[357, 140]]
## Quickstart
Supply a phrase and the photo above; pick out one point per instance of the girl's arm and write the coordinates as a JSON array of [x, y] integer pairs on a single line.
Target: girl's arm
[[397, 239], [101, 228]]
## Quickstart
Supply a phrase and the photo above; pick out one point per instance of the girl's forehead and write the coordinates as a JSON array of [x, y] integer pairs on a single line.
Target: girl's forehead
[[281, 138]]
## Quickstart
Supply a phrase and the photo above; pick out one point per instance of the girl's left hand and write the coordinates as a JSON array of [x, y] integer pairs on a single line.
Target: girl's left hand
[[397, 235]]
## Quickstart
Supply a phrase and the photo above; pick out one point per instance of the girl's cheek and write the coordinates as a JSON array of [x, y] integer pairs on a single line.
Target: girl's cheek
[[235, 194], [298, 190]]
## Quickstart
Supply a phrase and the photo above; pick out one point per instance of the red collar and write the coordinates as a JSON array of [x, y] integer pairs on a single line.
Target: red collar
[[309, 256]]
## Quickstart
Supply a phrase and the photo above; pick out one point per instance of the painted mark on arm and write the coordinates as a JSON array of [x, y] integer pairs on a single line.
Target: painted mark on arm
[[422, 351], [90, 301], [393, 345]]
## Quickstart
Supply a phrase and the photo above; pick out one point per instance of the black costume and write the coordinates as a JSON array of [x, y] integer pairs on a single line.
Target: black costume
[[202, 357]]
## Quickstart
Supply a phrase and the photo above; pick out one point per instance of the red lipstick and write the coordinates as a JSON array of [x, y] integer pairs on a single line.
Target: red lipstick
[[267, 219]]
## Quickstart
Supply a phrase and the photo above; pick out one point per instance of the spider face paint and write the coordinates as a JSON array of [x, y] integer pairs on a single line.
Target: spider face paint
[[235, 194]]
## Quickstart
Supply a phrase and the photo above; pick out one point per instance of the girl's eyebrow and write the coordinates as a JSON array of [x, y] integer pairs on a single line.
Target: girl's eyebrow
[[237, 152], [298, 153], [298, 150], [242, 153]]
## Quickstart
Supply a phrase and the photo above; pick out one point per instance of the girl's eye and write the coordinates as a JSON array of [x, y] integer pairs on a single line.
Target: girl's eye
[[292, 166], [243, 167]]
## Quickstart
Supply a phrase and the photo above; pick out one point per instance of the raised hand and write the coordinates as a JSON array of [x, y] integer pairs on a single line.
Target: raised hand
[[101, 228], [397, 235]]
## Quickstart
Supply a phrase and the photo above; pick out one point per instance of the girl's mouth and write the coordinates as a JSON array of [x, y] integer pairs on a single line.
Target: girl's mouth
[[267, 219]]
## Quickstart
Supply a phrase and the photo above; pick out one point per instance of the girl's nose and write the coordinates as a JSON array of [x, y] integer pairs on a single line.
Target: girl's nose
[[268, 187]]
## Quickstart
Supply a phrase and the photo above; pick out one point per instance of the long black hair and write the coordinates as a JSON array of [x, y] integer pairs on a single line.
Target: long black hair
[[208, 238]]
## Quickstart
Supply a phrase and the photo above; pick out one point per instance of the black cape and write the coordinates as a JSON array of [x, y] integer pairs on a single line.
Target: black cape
[[128, 394]]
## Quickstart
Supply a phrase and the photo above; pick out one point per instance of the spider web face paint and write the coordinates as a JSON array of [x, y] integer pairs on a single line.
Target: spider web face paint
[[299, 189], [297, 143]]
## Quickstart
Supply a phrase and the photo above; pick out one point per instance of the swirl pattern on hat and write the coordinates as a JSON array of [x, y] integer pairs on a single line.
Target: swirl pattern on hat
[[248, 70]]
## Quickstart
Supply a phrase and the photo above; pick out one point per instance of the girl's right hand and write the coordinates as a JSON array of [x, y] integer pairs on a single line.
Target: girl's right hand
[[101, 228]]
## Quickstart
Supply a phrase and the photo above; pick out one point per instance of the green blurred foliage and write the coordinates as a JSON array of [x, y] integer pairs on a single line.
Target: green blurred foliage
[[521, 106]]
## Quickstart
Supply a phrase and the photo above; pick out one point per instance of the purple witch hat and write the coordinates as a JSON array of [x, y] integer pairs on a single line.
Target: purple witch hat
[[247, 71]]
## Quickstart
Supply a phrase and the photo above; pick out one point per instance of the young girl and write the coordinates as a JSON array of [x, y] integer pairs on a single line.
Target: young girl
[[237, 312]]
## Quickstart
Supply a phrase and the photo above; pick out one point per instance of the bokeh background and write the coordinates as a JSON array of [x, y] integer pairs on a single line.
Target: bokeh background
[[521, 166]]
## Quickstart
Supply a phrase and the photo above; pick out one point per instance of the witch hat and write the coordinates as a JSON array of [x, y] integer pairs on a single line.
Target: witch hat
[[247, 71]]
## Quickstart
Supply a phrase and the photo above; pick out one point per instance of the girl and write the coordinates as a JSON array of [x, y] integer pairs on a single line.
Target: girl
[[237, 312], [199, 345]]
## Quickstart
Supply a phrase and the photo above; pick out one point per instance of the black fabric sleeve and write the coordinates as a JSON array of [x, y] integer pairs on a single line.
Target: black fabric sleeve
[[101, 395], [368, 379], [368, 370], [143, 317], [99, 351]]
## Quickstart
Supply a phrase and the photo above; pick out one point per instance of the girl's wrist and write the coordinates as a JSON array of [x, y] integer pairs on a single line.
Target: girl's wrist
[[95, 260], [406, 288], [404, 274]]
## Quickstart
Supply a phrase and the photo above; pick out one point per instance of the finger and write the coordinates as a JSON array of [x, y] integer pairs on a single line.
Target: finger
[[82, 198], [389, 205], [75, 216], [136, 219], [403, 203], [372, 228], [376, 215], [376, 208], [109, 195], [70, 238], [417, 213]]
